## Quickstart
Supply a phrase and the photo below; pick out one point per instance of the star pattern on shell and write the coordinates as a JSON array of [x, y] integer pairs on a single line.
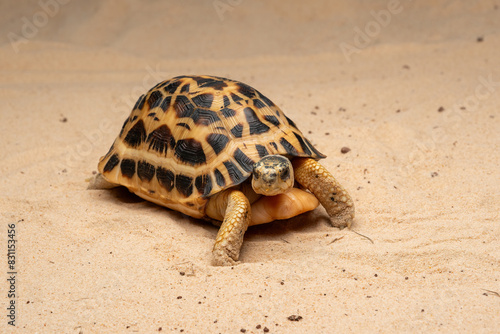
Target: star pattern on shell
[[191, 137]]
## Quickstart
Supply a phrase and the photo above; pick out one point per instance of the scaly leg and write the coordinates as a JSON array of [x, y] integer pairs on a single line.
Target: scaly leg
[[334, 198], [234, 208]]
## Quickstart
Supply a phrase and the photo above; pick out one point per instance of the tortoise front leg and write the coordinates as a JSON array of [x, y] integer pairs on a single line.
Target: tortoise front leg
[[234, 208], [334, 198]]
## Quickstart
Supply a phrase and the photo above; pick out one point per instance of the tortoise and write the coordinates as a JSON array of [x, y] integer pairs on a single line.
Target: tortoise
[[191, 144]]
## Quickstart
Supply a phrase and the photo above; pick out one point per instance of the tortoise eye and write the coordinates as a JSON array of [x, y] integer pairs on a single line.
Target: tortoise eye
[[285, 174]]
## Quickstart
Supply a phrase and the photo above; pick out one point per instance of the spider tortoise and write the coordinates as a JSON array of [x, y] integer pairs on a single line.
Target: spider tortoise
[[191, 144]]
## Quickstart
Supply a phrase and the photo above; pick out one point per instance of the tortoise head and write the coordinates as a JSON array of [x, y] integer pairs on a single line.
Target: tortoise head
[[272, 175]]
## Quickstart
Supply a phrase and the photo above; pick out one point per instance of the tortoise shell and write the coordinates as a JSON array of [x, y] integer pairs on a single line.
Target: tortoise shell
[[191, 137]]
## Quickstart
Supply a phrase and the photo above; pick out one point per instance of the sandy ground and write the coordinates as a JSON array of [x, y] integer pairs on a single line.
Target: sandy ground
[[412, 88]]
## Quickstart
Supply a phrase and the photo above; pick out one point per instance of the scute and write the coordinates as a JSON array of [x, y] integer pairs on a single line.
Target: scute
[[193, 136], [127, 167], [145, 171], [160, 139], [155, 99], [136, 135], [190, 151], [203, 100]]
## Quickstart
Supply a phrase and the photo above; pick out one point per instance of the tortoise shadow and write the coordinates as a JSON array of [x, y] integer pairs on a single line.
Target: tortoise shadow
[[309, 222], [123, 195]]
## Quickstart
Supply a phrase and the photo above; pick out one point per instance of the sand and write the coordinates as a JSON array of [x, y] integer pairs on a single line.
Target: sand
[[412, 88]]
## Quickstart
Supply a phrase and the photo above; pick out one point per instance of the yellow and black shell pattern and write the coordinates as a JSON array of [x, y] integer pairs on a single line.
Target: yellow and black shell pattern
[[193, 136]]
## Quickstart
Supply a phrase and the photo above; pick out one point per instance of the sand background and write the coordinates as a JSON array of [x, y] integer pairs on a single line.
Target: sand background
[[415, 97]]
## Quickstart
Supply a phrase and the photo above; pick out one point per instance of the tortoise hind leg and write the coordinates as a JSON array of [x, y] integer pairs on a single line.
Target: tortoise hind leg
[[99, 182], [334, 198], [234, 208]]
